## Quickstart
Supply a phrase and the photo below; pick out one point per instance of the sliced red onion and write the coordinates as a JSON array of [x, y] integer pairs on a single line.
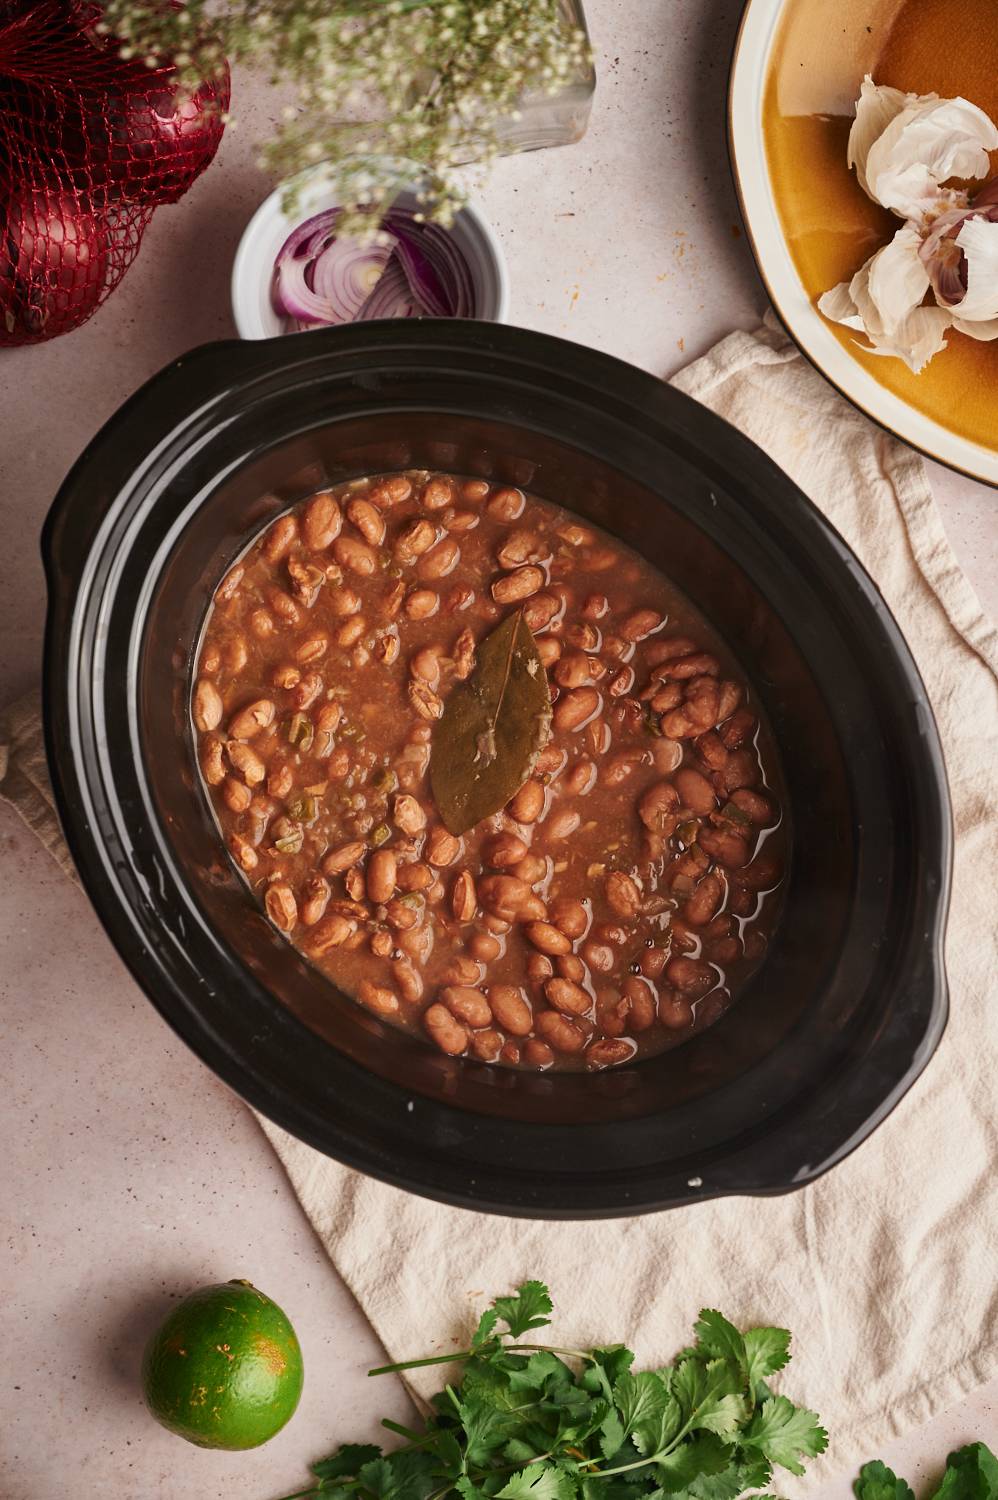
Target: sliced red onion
[[417, 271]]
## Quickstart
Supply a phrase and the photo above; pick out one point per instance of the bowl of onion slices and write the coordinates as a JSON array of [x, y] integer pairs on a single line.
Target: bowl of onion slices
[[293, 274]]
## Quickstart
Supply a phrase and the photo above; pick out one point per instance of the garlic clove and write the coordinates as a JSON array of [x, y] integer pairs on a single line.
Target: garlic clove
[[876, 107], [922, 145], [883, 300], [978, 239]]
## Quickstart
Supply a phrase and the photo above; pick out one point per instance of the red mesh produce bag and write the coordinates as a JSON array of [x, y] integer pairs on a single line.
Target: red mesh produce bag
[[90, 144]]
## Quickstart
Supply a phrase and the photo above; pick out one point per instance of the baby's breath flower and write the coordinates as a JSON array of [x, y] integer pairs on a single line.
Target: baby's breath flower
[[429, 81]]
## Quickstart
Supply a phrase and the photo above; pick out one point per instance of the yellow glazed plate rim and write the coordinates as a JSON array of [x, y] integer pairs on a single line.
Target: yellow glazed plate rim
[[813, 336]]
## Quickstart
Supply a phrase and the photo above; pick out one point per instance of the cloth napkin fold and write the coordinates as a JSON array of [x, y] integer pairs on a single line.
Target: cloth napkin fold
[[884, 1268]]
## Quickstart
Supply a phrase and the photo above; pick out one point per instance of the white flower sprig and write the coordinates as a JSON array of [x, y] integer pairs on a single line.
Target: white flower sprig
[[424, 81], [905, 148]]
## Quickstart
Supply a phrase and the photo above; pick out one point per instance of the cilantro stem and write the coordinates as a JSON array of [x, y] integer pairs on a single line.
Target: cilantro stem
[[406, 1432], [444, 1359]]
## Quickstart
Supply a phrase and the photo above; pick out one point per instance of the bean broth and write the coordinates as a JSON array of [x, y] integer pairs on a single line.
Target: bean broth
[[622, 896]]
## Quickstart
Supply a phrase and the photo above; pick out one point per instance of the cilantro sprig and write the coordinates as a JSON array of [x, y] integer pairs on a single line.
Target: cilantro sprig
[[971, 1474], [529, 1421]]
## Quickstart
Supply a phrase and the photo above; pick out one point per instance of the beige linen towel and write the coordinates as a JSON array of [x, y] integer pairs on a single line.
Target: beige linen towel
[[886, 1268]]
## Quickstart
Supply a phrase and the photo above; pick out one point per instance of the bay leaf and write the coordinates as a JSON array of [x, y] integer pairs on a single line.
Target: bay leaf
[[493, 727]]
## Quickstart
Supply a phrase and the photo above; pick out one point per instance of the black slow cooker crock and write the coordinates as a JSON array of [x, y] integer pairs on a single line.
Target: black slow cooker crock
[[851, 1000]]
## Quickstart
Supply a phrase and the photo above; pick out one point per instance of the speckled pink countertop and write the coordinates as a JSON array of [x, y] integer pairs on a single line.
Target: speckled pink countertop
[[130, 1173]]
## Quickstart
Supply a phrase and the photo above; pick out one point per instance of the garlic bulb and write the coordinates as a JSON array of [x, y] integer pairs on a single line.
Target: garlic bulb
[[905, 147]]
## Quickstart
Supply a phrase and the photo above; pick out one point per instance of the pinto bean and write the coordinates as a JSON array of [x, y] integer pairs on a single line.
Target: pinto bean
[[486, 1045], [738, 729], [764, 872], [427, 703], [408, 814], [236, 795], [261, 624], [705, 900], [408, 981], [442, 848], [503, 895], [727, 848], [382, 868], [539, 967], [390, 491], [567, 996], [574, 709], [281, 906], [599, 956], [651, 961], [342, 602], [425, 665], [463, 900], [207, 706], [212, 764], [537, 1053], [528, 804], [695, 791], [503, 850], [315, 898], [532, 868], [368, 520], [581, 779], [439, 561], [331, 932], [305, 694], [757, 808], [351, 631], [355, 556], [249, 721], [506, 504], [559, 1032], [674, 1010], [341, 858], [244, 759], [547, 938], [376, 997], [622, 894], [437, 494], [420, 604], [562, 824], [280, 539], [415, 540], [640, 623], [230, 583], [468, 1004], [321, 522], [520, 584], [609, 1052], [570, 966], [414, 877], [576, 670], [689, 975], [640, 999], [510, 1009], [570, 916]]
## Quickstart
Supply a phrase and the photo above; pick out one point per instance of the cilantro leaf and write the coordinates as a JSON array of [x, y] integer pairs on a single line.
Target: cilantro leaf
[[877, 1482], [702, 1454], [527, 1309], [607, 1366], [785, 1433], [485, 1330], [767, 1350], [709, 1396], [347, 1461], [719, 1339], [539, 1482], [971, 1474], [611, 1434], [400, 1476], [539, 1368], [731, 1482], [639, 1399]]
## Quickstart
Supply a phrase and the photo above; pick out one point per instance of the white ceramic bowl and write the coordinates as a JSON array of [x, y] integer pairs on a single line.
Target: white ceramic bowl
[[253, 268], [749, 73]]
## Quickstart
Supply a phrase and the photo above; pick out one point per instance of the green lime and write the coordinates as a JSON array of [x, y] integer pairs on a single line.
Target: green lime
[[225, 1369]]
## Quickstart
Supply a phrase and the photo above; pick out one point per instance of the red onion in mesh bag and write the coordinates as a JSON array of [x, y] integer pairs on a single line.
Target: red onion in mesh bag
[[90, 144]]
